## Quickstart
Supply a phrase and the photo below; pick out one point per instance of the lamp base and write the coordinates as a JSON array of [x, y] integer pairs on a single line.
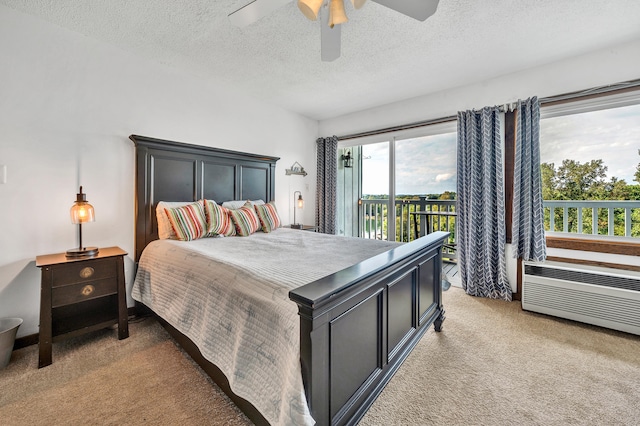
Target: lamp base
[[82, 252], [296, 226]]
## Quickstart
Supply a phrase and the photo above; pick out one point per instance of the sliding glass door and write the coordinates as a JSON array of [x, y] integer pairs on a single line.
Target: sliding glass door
[[425, 181], [390, 180]]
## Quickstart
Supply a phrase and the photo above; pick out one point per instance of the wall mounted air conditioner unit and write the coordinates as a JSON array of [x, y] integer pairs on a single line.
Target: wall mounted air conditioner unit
[[600, 296]]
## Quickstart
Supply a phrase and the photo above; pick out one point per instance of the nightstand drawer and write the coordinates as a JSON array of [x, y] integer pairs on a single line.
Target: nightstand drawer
[[80, 292], [79, 272]]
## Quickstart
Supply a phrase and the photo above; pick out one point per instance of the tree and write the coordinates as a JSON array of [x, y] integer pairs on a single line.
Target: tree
[[447, 195], [587, 181], [576, 181], [548, 171], [637, 175]]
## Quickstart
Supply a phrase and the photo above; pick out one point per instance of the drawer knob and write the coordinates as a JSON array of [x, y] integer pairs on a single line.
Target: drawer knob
[[87, 290], [86, 272]]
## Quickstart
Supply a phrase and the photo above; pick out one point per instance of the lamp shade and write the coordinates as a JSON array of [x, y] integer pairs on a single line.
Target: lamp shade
[[310, 8], [337, 15], [298, 204], [357, 4], [82, 211]]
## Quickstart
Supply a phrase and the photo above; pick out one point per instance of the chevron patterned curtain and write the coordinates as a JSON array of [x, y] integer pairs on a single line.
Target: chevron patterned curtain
[[326, 191], [528, 215], [481, 216]]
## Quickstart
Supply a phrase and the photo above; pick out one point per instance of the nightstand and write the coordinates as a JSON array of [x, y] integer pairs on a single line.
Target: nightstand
[[80, 295], [304, 227]]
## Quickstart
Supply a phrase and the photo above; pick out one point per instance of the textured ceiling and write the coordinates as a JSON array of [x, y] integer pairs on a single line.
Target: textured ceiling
[[386, 56]]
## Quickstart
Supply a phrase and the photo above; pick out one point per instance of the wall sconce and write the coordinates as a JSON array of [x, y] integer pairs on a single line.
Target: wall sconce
[[82, 212], [348, 160], [298, 204]]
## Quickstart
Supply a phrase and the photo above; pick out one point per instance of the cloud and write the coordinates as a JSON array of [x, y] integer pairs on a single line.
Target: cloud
[[444, 177]]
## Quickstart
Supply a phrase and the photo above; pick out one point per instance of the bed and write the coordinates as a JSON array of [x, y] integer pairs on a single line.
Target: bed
[[355, 319]]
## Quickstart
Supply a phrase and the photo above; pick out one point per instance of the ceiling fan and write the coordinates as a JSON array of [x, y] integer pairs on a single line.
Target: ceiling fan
[[332, 14]]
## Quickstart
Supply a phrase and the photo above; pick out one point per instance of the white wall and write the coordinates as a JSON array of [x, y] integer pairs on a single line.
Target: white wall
[[600, 68], [67, 107]]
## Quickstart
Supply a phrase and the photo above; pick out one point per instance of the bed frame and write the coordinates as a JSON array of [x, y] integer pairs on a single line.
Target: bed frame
[[357, 326]]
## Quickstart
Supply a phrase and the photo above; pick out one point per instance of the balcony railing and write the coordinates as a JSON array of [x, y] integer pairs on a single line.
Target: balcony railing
[[375, 220], [613, 218], [619, 218]]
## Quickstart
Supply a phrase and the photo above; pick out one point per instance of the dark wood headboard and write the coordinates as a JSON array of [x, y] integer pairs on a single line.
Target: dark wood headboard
[[176, 171]]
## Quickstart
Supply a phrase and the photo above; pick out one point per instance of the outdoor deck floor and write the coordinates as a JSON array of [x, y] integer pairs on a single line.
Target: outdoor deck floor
[[450, 271]]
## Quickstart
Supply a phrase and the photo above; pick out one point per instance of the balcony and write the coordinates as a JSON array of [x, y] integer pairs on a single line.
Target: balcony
[[374, 214], [616, 218]]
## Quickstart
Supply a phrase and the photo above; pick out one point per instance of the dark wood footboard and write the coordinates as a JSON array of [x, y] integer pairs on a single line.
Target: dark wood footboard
[[358, 326]]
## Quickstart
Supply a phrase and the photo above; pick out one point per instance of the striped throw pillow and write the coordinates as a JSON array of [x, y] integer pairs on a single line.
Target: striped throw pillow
[[268, 216], [245, 220], [165, 230], [218, 220], [188, 222]]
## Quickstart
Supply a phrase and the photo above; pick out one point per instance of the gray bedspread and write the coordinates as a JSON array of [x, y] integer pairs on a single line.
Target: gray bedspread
[[230, 297]]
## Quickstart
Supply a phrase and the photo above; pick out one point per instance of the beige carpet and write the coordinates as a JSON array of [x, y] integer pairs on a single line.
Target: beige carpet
[[492, 365]]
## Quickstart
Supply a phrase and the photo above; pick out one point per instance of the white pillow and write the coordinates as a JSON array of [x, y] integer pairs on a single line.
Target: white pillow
[[234, 205], [165, 230]]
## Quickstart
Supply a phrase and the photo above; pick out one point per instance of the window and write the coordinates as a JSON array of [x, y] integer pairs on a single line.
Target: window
[[590, 158]]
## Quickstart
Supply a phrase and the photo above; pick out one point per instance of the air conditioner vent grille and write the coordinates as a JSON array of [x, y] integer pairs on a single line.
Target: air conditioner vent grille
[[582, 303], [601, 296], [584, 277]]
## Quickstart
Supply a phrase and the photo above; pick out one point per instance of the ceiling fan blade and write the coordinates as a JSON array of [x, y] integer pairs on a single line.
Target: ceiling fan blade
[[416, 9], [255, 10], [329, 38]]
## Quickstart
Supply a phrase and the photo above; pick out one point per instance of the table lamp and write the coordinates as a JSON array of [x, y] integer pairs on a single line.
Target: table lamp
[[299, 203], [82, 212]]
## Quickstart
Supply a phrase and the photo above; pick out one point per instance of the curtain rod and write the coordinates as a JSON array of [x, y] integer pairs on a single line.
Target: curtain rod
[[626, 86], [399, 128]]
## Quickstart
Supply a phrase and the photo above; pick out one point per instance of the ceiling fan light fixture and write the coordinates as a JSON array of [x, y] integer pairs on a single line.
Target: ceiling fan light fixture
[[357, 4], [337, 15], [310, 8]]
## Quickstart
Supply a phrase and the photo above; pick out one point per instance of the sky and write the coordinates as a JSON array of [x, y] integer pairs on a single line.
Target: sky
[[427, 165], [424, 165], [612, 135]]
